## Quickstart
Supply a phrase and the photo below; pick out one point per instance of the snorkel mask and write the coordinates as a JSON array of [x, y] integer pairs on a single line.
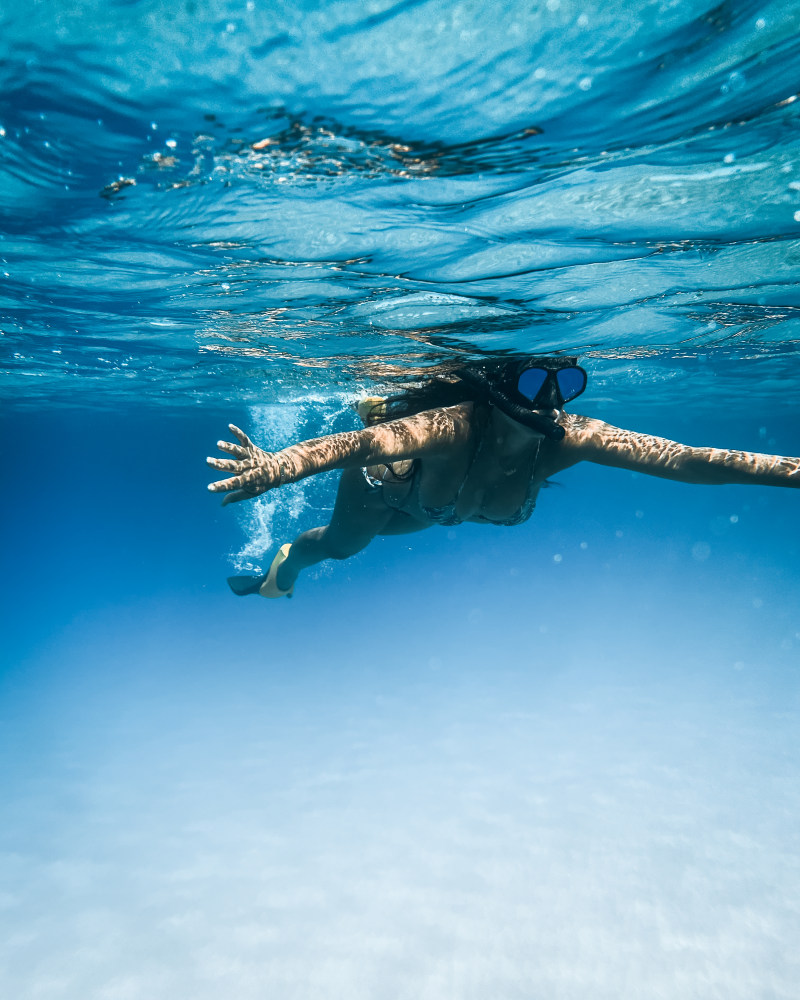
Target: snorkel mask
[[518, 389]]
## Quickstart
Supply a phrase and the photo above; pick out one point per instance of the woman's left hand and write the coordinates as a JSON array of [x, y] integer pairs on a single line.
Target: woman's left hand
[[256, 470]]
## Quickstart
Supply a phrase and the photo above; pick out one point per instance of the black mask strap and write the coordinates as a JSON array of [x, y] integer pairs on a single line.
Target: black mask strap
[[496, 396]]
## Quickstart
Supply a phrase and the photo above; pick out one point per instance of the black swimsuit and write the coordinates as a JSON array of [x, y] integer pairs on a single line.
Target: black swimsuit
[[446, 515]]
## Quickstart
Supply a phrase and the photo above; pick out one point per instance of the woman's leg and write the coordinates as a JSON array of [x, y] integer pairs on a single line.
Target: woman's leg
[[359, 514]]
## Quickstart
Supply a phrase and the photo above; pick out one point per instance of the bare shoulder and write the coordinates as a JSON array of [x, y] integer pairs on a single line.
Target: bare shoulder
[[580, 431], [447, 421], [584, 438], [429, 432]]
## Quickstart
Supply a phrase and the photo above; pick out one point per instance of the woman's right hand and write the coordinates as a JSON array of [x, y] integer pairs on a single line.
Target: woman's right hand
[[256, 471]]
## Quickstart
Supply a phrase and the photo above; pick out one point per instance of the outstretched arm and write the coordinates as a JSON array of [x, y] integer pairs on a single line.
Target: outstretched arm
[[591, 440], [256, 471]]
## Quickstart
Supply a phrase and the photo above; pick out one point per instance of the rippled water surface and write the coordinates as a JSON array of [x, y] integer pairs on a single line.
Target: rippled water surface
[[225, 200]]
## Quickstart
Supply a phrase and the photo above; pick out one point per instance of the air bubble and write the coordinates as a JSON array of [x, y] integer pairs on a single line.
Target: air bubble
[[585, 83], [729, 157], [760, 24], [736, 81], [557, 558], [797, 216], [701, 551]]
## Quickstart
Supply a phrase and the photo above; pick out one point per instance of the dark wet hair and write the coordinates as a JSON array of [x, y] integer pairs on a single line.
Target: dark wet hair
[[491, 382]]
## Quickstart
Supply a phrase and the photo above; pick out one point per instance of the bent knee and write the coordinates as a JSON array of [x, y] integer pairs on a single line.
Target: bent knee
[[343, 548], [338, 550]]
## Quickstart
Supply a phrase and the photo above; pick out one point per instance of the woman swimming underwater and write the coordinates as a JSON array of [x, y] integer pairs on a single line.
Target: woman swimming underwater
[[474, 447]]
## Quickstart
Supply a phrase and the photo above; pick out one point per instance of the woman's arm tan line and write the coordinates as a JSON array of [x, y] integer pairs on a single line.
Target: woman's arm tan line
[[424, 434], [593, 440]]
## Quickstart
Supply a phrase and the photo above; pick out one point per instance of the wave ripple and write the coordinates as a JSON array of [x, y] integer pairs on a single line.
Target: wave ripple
[[234, 201]]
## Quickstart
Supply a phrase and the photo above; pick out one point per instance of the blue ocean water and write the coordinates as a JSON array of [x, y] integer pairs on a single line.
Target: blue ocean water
[[558, 760]]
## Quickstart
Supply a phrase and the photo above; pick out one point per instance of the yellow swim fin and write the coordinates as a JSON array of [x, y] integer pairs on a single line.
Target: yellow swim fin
[[270, 588]]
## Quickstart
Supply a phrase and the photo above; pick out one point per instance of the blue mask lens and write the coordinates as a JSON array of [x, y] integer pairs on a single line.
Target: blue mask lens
[[531, 382], [571, 382]]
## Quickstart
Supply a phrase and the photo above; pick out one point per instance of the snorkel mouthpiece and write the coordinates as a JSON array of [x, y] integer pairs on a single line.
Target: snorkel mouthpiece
[[536, 422], [495, 395]]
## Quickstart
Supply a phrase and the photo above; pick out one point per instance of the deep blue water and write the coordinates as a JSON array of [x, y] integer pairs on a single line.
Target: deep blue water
[[558, 760]]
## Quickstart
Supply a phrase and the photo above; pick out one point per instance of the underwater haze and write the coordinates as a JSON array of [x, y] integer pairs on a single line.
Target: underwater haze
[[559, 760]]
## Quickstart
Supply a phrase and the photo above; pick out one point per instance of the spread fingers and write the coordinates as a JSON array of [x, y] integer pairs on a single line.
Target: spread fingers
[[233, 449], [228, 464], [240, 434]]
